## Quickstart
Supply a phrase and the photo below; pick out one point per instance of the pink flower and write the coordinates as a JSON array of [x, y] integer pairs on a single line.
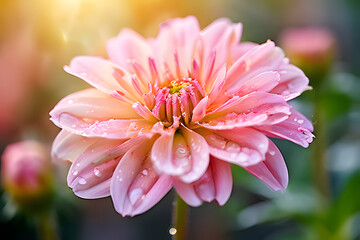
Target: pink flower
[[26, 172], [175, 111], [309, 44]]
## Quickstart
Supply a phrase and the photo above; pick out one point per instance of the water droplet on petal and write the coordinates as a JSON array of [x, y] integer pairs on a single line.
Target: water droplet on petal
[[97, 172], [181, 151], [272, 153], [70, 101], [300, 121], [232, 147], [75, 173], [145, 172], [119, 178], [135, 195], [82, 181]]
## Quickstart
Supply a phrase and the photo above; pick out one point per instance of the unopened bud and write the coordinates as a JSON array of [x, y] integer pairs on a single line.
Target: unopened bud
[[26, 174], [311, 49]]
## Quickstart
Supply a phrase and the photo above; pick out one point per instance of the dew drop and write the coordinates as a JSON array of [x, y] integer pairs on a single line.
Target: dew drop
[[145, 172], [181, 151], [135, 195], [286, 92], [272, 153], [172, 231], [97, 172], [262, 146], [82, 181], [232, 147], [300, 121], [71, 101], [75, 173], [218, 141]]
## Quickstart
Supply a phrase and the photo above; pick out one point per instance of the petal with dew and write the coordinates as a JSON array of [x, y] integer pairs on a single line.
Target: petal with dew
[[266, 54], [113, 128], [183, 153], [259, 82], [297, 128], [135, 185], [241, 146], [92, 105], [292, 82], [254, 109], [273, 171], [215, 184], [89, 175], [68, 146]]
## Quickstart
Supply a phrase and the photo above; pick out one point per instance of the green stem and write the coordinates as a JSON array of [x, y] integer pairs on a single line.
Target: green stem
[[320, 173], [47, 226], [180, 217]]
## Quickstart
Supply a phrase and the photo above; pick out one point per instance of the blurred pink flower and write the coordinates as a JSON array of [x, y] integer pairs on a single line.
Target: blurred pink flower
[[26, 172], [309, 46], [175, 111]]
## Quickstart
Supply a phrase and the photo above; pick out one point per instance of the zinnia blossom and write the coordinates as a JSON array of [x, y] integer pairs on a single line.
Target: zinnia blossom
[[175, 111]]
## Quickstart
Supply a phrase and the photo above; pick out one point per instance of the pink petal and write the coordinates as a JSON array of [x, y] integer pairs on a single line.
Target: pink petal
[[215, 184], [89, 175], [263, 55], [254, 109], [184, 154], [238, 50], [292, 82], [187, 192], [135, 185], [218, 37], [174, 45], [104, 75], [200, 110], [144, 112], [297, 128], [222, 179], [68, 146], [92, 105], [241, 146], [272, 171], [127, 46], [262, 82], [113, 128], [94, 114], [199, 151], [218, 85]]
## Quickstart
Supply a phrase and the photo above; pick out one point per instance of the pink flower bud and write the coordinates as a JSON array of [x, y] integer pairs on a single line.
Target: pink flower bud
[[311, 49], [26, 172]]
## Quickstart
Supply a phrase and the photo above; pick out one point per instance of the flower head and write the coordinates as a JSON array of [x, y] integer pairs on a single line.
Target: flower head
[[26, 173], [174, 111]]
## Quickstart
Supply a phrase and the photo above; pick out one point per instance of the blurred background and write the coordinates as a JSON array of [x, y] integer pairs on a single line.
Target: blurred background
[[39, 37]]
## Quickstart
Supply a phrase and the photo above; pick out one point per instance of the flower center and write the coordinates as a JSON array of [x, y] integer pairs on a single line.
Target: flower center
[[178, 99]]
